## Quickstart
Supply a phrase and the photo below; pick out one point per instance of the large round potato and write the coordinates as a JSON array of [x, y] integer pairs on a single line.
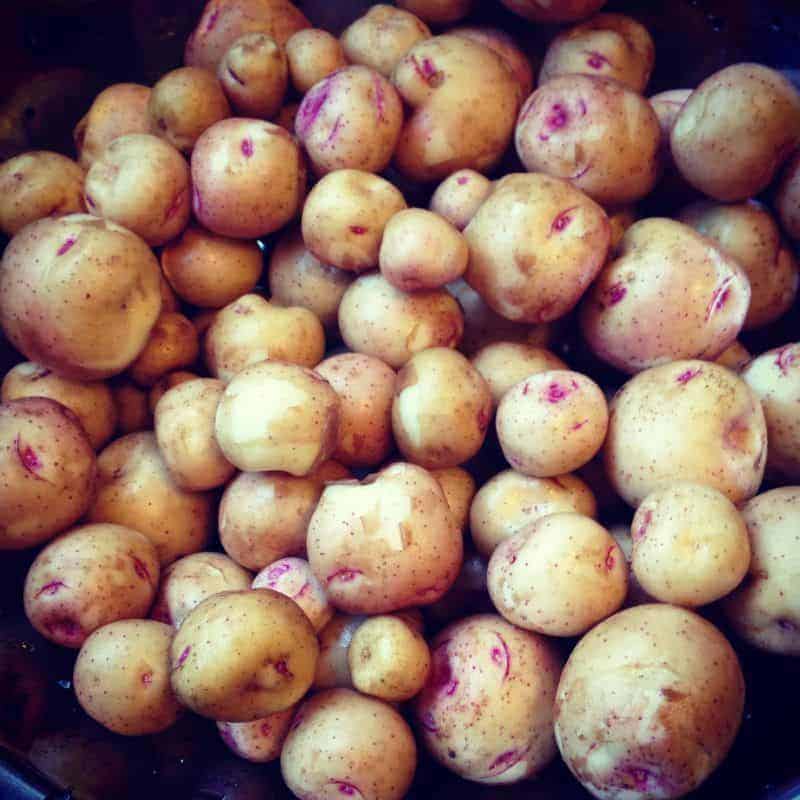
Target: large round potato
[[313, 54]]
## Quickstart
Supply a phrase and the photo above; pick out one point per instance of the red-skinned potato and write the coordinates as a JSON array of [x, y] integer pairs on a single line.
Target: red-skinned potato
[[555, 10], [787, 198], [459, 490], [172, 344], [438, 12], [163, 385], [313, 54], [261, 740], [458, 197]]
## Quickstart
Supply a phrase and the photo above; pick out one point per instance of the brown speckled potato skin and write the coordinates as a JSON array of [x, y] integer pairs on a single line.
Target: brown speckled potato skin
[[259, 741], [787, 198], [459, 490], [342, 741], [121, 677], [556, 11], [648, 704], [90, 576], [486, 712], [313, 54], [239, 656], [173, 344], [134, 488], [723, 441], [458, 197], [437, 12], [47, 471]]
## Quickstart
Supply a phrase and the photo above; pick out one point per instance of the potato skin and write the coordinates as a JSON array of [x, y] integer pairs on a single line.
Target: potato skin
[[458, 197], [313, 54], [261, 740], [671, 686], [558, 11]]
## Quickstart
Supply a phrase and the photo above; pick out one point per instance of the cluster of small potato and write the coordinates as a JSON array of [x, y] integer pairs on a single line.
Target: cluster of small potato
[[235, 416]]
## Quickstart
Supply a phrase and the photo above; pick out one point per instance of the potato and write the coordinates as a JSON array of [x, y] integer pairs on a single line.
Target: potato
[[441, 410], [437, 12], [365, 386], [313, 55], [298, 278], [735, 130], [459, 489], [669, 294], [388, 659], [554, 11], [184, 428], [293, 577], [463, 102], [747, 233], [210, 271], [386, 543], [510, 502], [188, 581], [85, 312], [134, 488], [552, 422], [38, 184], [184, 103], [232, 163], [620, 219], [333, 667], [254, 74], [119, 109], [535, 246], [142, 183], [350, 120], [276, 416], [458, 197], [92, 403], [87, 578], [122, 680], [648, 704], [787, 198], [765, 609], [382, 36], [133, 412], [378, 320], [722, 441], [47, 471], [345, 216], [594, 132], [608, 45], [735, 357], [172, 344], [486, 712], [251, 329], [260, 740], [239, 656]]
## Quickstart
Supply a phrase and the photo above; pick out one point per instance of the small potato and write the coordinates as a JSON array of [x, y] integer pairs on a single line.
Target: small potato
[[736, 130], [535, 246], [210, 271], [345, 216], [608, 45], [38, 184], [87, 578], [554, 11], [459, 490], [313, 55], [511, 501], [504, 364], [333, 667], [134, 488], [142, 183], [379, 320], [747, 233], [343, 742], [251, 330], [382, 36], [92, 403], [121, 677], [261, 740], [735, 357], [172, 344], [595, 133], [388, 659], [690, 545], [232, 163], [458, 197], [350, 120], [84, 311], [254, 74], [787, 198], [722, 441], [184, 428], [298, 278], [188, 581], [184, 104], [163, 385], [620, 219], [387, 543], [486, 712], [437, 12], [365, 386], [669, 294], [441, 410], [133, 411], [275, 416], [552, 422], [420, 250], [239, 656], [765, 609], [293, 578], [47, 471], [648, 704]]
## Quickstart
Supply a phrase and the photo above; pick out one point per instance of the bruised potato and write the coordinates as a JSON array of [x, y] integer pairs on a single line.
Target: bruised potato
[[172, 344], [259, 741], [458, 197], [312, 55]]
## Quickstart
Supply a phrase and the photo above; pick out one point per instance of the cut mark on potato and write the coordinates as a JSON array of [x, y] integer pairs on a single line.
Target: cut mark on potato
[[345, 575], [51, 588], [561, 221], [502, 655], [28, 458], [719, 297], [140, 569], [67, 245], [504, 762], [688, 375], [183, 656]]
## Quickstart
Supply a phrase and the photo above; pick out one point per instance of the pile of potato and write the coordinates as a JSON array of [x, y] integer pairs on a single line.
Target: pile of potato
[[320, 419]]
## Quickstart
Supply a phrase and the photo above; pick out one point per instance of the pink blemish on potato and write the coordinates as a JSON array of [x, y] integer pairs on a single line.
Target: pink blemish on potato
[[346, 788], [335, 130], [427, 71], [66, 246], [429, 723], [51, 588], [90, 201], [28, 458], [502, 657], [562, 220], [345, 575], [581, 172], [380, 100], [212, 21], [785, 359], [282, 669], [236, 77], [610, 561], [504, 762], [615, 293], [183, 656], [277, 572], [688, 375], [265, 728], [719, 297], [303, 589], [312, 105], [140, 568], [462, 181], [556, 119], [358, 230], [147, 678], [247, 147], [555, 392], [578, 425], [596, 60], [640, 532]]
